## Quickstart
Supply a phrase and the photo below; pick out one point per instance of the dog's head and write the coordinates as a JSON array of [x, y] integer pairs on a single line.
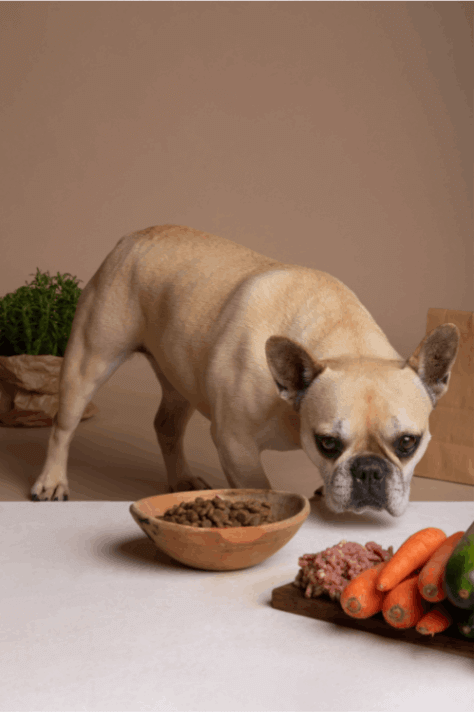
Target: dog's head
[[364, 422]]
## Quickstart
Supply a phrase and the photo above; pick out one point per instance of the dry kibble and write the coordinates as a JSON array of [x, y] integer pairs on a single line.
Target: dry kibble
[[218, 512]]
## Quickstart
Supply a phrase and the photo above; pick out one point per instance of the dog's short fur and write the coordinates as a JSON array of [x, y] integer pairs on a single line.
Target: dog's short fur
[[276, 356]]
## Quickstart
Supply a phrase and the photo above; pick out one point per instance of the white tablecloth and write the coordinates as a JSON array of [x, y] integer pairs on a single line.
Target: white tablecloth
[[94, 618]]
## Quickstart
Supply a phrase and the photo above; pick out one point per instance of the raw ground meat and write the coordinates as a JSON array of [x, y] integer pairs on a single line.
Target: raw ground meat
[[329, 571]]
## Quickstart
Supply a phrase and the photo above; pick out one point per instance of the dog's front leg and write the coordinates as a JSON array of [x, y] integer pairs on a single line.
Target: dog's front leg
[[239, 456]]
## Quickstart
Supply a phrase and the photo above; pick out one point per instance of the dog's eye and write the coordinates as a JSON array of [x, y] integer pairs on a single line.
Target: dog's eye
[[406, 445], [329, 446]]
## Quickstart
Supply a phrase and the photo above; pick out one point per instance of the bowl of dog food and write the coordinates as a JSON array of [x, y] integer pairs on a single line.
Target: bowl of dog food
[[221, 530]]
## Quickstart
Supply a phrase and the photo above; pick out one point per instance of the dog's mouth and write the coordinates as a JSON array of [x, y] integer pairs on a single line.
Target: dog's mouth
[[371, 486], [367, 506], [393, 506], [374, 500]]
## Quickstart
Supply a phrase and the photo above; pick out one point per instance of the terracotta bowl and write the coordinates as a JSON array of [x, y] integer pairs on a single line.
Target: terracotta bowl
[[221, 549]]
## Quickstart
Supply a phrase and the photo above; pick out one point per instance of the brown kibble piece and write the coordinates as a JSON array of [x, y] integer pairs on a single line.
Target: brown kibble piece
[[217, 512]]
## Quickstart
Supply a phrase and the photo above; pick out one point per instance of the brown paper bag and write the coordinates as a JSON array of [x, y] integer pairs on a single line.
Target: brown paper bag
[[450, 454], [29, 391]]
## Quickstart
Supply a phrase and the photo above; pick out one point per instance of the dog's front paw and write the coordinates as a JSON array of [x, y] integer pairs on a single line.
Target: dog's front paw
[[43, 493]]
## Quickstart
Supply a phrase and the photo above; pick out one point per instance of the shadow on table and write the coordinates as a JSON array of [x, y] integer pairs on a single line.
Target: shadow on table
[[137, 551], [140, 550]]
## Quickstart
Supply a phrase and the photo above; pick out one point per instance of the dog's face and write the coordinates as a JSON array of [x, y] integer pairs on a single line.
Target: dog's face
[[364, 422]]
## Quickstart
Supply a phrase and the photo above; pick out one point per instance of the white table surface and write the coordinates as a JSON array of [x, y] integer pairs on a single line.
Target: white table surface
[[94, 618]]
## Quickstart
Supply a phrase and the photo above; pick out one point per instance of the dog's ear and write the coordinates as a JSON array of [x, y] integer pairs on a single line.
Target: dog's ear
[[434, 358], [292, 368]]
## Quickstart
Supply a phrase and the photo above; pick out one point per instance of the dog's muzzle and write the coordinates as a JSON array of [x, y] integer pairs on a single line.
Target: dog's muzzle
[[369, 479]]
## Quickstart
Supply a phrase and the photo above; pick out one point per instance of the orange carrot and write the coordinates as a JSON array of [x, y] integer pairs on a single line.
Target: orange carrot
[[435, 621], [360, 598], [403, 606], [430, 579], [412, 554]]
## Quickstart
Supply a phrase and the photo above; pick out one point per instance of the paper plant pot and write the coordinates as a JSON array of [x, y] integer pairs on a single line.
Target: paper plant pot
[[29, 391]]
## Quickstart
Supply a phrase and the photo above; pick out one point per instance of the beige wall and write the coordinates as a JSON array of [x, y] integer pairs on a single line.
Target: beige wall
[[331, 134]]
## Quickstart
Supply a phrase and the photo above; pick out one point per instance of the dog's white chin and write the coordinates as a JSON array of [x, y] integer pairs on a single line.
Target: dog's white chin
[[333, 505], [395, 510], [363, 510]]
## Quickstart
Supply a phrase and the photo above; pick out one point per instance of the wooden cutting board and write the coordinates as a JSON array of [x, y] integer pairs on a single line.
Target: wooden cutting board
[[291, 599]]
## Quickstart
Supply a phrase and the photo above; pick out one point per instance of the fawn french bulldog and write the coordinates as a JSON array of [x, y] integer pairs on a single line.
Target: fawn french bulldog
[[275, 355]]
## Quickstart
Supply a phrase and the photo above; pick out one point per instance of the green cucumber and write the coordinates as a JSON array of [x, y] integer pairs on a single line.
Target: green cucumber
[[458, 580], [467, 627]]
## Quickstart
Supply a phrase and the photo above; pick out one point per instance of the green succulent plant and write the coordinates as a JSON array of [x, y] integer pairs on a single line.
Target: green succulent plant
[[37, 319]]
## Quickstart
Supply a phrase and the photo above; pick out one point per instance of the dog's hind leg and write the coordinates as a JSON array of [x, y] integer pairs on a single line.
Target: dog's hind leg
[[170, 424], [96, 348], [80, 382]]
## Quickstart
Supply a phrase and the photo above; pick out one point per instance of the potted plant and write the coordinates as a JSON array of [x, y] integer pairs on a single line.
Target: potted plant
[[35, 325]]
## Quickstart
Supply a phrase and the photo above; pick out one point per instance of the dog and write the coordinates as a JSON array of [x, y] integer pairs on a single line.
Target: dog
[[276, 356]]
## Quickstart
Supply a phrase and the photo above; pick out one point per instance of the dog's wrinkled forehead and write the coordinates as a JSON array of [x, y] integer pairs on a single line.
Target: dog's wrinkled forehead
[[366, 394]]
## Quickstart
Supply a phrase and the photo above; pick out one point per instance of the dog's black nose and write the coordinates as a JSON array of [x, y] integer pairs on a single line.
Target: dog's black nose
[[369, 474]]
